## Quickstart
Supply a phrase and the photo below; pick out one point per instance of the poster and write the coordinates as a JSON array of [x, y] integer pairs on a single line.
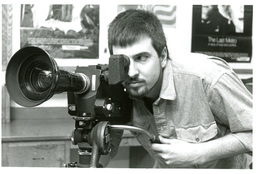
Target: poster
[[165, 13], [63, 30], [224, 31]]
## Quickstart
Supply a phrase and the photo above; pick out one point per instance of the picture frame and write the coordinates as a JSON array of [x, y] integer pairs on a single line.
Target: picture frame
[[7, 27], [224, 31], [7, 24], [65, 31]]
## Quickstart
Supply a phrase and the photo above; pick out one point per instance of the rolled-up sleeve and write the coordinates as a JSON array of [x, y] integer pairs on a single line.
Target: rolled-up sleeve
[[231, 104]]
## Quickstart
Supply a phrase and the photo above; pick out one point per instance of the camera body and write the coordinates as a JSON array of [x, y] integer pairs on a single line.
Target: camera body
[[103, 101]]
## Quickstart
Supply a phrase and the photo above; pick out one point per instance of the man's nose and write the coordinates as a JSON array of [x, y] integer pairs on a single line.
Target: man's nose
[[133, 71]]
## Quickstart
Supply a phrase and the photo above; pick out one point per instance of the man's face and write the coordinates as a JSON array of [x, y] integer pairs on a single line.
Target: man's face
[[206, 9], [144, 69], [237, 16]]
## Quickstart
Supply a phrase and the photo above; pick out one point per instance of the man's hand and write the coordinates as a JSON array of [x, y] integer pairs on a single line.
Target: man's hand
[[177, 153]]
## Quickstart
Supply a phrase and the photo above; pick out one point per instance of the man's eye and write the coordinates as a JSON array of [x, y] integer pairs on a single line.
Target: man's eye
[[141, 58]]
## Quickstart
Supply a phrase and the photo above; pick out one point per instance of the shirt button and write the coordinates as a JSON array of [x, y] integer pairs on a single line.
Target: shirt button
[[197, 139]]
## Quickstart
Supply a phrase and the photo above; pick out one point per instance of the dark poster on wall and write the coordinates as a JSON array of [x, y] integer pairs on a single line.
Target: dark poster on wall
[[64, 30], [224, 31]]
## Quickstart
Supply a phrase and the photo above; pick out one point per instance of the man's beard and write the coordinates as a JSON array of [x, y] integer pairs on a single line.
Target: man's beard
[[137, 93]]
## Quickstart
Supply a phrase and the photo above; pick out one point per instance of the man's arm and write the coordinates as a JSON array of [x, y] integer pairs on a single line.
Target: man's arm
[[182, 154], [223, 147], [231, 105]]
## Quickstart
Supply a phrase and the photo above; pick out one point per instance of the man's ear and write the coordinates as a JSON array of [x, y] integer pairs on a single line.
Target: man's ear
[[163, 57]]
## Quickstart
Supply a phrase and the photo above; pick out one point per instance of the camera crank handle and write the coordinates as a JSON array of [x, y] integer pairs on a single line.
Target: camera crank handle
[[152, 137]]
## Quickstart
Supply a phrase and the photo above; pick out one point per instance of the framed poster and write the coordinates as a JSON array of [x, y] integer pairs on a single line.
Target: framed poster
[[65, 31], [7, 10], [165, 13], [224, 31], [7, 14]]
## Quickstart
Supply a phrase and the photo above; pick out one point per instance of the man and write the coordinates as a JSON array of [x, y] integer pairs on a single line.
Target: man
[[200, 109]]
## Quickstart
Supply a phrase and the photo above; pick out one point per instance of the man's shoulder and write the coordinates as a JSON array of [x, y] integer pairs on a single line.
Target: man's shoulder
[[200, 66]]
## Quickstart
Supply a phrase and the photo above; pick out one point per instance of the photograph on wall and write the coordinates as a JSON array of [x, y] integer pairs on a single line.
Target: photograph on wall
[[165, 13], [224, 31], [63, 30]]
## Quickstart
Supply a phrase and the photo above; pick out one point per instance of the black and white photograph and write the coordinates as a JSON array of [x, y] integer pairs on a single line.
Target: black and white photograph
[[64, 30], [127, 86], [224, 31]]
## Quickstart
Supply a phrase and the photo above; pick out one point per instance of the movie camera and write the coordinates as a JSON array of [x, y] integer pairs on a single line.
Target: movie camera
[[97, 100]]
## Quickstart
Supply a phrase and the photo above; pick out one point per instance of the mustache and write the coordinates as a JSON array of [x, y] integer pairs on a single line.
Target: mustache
[[133, 80]]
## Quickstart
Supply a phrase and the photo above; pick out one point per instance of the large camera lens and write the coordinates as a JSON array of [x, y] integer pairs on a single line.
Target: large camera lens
[[33, 77], [36, 78], [44, 79], [41, 79]]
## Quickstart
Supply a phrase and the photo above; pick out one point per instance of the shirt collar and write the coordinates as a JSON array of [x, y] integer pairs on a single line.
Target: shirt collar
[[168, 89]]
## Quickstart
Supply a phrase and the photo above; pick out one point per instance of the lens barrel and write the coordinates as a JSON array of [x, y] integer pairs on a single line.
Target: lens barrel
[[32, 77]]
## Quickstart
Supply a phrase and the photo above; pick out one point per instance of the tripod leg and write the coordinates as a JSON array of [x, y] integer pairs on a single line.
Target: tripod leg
[[95, 156]]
